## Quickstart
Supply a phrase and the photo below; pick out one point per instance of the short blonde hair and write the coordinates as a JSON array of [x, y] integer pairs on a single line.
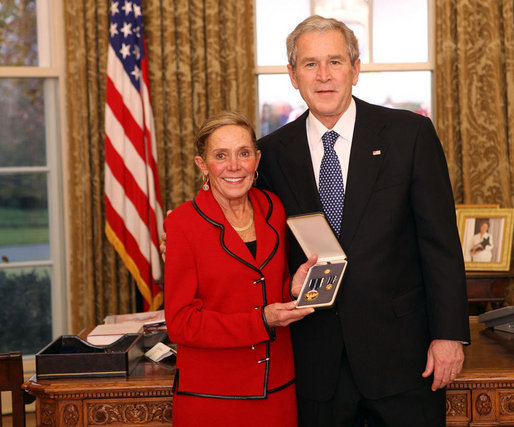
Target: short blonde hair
[[223, 118], [319, 24]]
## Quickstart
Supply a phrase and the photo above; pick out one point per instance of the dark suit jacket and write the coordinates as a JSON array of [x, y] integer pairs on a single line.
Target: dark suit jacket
[[405, 281]]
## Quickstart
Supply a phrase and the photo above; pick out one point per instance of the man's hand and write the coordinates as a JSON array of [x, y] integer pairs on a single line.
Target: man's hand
[[162, 246], [162, 243], [301, 274], [444, 360], [282, 314]]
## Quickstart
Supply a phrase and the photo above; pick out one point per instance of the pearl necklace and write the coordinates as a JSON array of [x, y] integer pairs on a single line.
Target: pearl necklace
[[246, 227]]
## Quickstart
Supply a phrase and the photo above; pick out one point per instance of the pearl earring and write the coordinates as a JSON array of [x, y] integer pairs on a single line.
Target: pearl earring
[[205, 185]]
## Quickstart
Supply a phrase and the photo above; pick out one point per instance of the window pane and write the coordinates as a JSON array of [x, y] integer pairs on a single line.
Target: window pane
[[275, 20], [354, 13], [22, 120], [279, 102], [24, 218], [400, 31], [409, 90], [26, 309], [18, 32]]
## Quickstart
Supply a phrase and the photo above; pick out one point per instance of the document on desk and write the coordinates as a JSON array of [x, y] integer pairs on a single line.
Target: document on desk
[[151, 321], [108, 333], [147, 317], [160, 351]]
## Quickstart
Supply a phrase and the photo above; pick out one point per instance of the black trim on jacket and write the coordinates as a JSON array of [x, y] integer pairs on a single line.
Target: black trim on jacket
[[262, 281]]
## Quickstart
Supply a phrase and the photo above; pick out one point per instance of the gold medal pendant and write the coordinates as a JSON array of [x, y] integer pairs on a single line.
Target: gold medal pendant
[[311, 296], [328, 287]]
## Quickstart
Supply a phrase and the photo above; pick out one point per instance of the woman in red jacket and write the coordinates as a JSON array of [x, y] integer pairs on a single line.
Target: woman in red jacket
[[227, 299]]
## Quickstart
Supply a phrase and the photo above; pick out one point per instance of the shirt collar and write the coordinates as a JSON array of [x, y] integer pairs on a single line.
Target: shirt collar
[[344, 126]]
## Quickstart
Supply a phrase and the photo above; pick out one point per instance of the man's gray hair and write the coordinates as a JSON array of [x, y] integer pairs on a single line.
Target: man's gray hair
[[319, 24]]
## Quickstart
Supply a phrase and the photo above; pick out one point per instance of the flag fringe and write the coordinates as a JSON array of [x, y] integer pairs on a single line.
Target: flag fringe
[[155, 301]]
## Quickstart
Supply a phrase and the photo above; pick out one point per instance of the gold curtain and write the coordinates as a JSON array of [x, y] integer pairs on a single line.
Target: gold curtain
[[474, 101], [201, 60]]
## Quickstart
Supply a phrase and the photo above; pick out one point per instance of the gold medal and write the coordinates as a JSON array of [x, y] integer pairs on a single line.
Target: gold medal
[[311, 296], [327, 271], [328, 287]]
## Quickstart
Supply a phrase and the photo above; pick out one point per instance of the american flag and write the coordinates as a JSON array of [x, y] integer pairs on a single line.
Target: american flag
[[133, 209]]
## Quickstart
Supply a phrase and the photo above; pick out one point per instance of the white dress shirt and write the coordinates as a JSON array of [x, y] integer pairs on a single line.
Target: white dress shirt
[[344, 127]]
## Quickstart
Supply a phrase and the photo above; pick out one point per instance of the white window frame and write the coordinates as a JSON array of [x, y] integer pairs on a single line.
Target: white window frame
[[368, 67], [50, 23]]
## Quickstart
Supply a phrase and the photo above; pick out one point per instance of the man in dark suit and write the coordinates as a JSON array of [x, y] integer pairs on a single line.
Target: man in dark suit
[[393, 340]]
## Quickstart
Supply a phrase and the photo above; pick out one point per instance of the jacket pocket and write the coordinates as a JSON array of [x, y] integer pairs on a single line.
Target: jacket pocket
[[408, 303]]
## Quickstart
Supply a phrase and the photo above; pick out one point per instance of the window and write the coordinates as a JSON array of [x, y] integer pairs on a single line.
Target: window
[[31, 207], [396, 61]]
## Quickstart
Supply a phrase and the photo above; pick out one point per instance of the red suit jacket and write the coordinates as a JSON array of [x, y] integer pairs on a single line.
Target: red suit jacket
[[215, 292], [405, 281]]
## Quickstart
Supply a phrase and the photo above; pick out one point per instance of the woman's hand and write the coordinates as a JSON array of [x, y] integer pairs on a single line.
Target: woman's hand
[[162, 241], [301, 274], [282, 314]]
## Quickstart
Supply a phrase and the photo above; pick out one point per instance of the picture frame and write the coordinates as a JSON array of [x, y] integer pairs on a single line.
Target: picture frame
[[469, 206], [486, 237]]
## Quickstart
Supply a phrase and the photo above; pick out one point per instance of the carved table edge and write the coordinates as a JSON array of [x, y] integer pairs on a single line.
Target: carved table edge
[[481, 384], [101, 395]]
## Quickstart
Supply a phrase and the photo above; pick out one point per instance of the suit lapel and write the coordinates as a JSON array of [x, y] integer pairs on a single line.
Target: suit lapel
[[267, 239], [294, 157], [230, 241], [366, 158]]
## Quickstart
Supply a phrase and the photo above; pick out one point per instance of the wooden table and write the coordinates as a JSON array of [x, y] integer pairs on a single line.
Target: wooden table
[[143, 398], [483, 393], [486, 289]]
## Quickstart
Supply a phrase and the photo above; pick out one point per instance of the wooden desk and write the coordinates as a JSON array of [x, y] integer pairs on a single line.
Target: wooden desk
[[486, 289], [483, 393], [143, 398]]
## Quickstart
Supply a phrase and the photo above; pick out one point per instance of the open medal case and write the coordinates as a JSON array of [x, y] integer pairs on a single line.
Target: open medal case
[[323, 280]]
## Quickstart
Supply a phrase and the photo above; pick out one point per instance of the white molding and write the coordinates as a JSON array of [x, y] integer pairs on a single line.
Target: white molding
[[22, 71], [60, 296], [23, 169], [44, 37], [375, 67], [25, 264]]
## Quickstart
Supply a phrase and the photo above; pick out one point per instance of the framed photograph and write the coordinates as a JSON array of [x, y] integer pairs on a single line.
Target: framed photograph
[[465, 206], [486, 237]]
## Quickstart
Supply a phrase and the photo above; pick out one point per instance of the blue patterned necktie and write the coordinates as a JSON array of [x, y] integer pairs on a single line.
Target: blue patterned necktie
[[331, 188]]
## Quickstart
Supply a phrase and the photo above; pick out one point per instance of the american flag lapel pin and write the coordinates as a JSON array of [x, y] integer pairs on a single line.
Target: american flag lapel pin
[[377, 152]]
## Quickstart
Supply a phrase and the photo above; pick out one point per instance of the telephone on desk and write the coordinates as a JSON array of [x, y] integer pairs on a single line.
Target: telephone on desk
[[501, 319]]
